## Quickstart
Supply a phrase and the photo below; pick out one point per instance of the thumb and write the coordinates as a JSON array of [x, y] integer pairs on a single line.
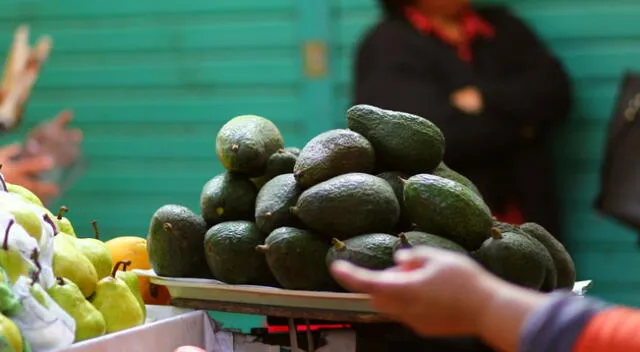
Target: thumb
[[354, 278]]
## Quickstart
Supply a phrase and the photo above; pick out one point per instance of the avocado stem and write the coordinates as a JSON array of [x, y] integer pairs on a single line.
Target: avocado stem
[[293, 210], [235, 148], [48, 220], [117, 266], [338, 245], [298, 175], [402, 180], [404, 241], [281, 150], [96, 231], [262, 248], [496, 234], [60, 281], [61, 211], [268, 214], [5, 243]]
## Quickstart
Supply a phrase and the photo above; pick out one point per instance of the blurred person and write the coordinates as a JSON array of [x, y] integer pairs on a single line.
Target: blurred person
[[451, 295], [49, 145], [487, 81]]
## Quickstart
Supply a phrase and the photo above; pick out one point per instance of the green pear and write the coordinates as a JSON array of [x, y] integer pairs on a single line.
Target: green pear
[[24, 214], [131, 279], [69, 262], [97, 252], [89, 321], [117, 303], [63, 223], [24, 194], [11, 260]]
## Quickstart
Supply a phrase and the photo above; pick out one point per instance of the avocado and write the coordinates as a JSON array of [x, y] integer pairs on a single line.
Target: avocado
[[416, 238], [174, 242], [280, 162], [293, 150], [447, 209], [348, 205], [245, 143], [402, 141], [516, 258], [230, 251], [565, 267], [394, 179], [444, 171], [274, 202], [296, 258], [226, 197], [371, 251], [333, 153]]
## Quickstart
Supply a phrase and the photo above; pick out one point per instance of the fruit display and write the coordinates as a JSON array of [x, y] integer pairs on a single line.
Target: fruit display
[[57, 288], [279, 216]]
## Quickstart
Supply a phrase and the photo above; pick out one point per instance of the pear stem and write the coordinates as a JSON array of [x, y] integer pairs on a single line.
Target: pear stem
[[117, 266], [5, 243], [61, 211], [60, 281], [496, 234], [338, 245], [48, 220], [96, 232], [125, 265], [35, 256]]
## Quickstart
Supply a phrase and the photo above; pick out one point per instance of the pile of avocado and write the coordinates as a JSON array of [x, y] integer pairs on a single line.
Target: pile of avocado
[[279, 216]]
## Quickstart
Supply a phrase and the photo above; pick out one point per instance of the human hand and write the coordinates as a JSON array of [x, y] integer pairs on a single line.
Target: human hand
[[24, 171], [53, 137], [435, 292], [468, 100]]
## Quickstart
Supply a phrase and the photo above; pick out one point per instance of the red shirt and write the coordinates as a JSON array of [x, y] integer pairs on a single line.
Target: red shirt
[[473, 26]]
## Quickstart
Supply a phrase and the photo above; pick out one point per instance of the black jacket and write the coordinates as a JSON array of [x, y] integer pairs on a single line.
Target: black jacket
[[523, 86]]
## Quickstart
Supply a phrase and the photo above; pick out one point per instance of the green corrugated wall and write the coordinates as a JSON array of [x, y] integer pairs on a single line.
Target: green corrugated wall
[[152, 80]]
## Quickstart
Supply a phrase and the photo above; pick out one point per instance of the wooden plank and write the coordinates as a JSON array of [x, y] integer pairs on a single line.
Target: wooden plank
[[285, 312], [141, 75], [81, 8], [166, 113], [180, 37]]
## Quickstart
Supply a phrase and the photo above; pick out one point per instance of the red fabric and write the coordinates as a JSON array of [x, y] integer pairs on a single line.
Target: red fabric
[[511, 215], [613, 330], [473, 26]]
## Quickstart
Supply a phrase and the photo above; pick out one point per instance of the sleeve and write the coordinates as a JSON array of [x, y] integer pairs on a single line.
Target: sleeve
[[537, 89], [613, 330], [390, 74], [563, 325]]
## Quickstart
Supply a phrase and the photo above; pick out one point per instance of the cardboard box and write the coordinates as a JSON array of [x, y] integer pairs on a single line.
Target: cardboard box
[[193, 328]]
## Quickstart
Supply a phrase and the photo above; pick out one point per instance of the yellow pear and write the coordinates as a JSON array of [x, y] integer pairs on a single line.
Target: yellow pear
[[10, 335], [10, 259], [24, 194], [97, 252], [89, 321], [25, 213], [131, 279], [117, 303], [70, 263], [63, 223]]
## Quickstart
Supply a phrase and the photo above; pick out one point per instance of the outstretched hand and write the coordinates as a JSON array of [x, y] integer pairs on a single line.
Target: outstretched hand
[[435, 292], [25, 171]]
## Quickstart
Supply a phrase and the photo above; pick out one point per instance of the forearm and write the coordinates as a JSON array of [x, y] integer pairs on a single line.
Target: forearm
[[506, 313]]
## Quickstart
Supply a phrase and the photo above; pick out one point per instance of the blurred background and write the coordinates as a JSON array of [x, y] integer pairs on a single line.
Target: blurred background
[[151, 82]]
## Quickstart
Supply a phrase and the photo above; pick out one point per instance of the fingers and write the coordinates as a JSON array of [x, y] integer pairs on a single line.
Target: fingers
[[9, 151], [353, 278], [34, 165], [44, 190], [63, 118]]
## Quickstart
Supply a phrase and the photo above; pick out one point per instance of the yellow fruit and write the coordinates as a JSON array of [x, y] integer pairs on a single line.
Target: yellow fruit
[[10, 335], [134, 249]]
